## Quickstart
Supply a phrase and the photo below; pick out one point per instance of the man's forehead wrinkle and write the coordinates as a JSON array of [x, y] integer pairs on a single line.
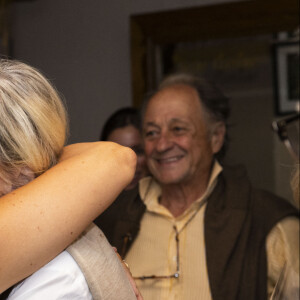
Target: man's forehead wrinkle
[[151, 123], [181, 120], [171, 121]]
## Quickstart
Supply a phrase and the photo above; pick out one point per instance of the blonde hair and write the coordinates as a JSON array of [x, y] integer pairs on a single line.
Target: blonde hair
[[33, 121]]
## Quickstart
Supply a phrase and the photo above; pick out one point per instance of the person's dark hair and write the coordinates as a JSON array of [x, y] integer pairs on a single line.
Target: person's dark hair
[[121, 118], [215, 103]]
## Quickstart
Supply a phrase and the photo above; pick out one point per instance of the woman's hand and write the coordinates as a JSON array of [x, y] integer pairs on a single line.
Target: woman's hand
[[129, 275]]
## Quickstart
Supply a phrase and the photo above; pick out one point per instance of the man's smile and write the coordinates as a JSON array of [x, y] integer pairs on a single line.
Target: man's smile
[[169, 160]]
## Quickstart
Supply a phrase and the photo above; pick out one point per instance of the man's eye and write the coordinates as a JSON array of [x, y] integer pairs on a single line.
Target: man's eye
[[150, 133], [178, 129]]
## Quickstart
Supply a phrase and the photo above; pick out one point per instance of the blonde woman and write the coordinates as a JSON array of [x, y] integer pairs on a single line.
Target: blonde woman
[[46, 204]]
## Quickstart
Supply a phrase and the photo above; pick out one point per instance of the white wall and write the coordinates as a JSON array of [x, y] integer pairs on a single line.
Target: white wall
[[83, 46]]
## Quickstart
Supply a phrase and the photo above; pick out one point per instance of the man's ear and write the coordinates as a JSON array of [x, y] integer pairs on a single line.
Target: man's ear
[[218, 136]]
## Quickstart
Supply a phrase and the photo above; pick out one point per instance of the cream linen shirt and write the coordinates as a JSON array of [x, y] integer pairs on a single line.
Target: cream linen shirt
[[154, 250]]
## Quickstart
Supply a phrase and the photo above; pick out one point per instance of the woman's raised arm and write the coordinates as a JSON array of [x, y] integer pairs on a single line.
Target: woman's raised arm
[[38, 220]]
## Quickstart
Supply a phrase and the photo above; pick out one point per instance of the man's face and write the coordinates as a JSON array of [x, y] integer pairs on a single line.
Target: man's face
[[177, 143]]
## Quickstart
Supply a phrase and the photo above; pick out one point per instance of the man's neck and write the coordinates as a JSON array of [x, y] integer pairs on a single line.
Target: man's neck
[[177, 198]]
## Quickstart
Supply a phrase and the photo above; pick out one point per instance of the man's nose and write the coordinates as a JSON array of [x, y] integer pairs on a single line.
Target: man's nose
[[164, 142]]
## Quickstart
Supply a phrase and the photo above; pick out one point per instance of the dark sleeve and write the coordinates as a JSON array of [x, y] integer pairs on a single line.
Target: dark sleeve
[[121, 221], [108, 219]]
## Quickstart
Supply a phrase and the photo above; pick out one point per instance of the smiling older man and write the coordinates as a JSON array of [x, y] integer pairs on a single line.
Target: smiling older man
[[195, 229]]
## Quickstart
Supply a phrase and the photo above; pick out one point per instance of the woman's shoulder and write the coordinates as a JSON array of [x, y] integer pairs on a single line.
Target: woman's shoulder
[[59, 278]]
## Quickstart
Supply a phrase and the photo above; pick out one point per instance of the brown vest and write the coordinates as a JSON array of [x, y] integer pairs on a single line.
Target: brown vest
[[237, 221]]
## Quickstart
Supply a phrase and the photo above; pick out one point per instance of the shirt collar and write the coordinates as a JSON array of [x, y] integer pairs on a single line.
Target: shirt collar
[[150, 189]]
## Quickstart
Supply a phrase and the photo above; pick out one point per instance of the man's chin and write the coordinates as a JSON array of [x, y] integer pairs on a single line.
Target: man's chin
[[168, 179]]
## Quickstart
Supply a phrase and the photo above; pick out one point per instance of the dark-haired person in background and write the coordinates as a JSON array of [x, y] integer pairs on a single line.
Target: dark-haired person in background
[[123, 127], [197, 229]]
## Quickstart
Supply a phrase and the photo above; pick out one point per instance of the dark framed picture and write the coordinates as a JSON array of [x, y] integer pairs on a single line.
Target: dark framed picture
[[286, 56]]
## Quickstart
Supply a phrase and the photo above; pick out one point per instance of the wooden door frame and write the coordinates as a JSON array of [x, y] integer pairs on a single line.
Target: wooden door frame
[[227, 20]]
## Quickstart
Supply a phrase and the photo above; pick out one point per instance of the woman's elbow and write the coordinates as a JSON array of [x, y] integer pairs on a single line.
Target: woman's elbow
[[128, 160], [124, 158]]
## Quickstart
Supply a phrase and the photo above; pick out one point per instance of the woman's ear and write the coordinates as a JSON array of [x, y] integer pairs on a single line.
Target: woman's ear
[[24, 176], [5, 187], [18, 178], [218, 136]]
